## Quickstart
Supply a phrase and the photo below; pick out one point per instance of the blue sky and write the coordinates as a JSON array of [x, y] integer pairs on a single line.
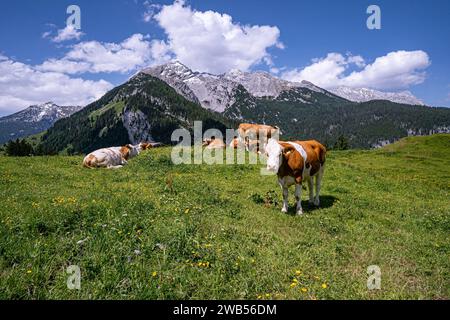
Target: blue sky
[[326, 42]]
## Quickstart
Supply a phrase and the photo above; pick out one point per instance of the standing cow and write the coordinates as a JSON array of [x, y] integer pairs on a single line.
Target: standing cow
[[295, 162]]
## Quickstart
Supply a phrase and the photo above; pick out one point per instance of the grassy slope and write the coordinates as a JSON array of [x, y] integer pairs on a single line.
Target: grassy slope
[[117, 106], [388, 207]]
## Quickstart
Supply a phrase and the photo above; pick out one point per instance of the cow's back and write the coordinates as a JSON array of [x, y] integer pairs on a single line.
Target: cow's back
[[316, 153]]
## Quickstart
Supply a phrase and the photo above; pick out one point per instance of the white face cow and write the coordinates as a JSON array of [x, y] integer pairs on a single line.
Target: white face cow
[[273, 152], [137, 149], [134, 150]]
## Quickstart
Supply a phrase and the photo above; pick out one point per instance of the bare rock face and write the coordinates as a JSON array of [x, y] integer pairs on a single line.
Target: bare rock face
[[365, 94], [137, 125], [210, 91]]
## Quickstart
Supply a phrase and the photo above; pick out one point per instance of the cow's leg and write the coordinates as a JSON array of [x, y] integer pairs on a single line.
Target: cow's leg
[[318, 186], [311, 190], [298, 198], [114, 167], [285, 191]]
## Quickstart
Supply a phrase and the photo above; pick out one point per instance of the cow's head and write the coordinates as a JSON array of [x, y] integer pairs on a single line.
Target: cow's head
[[274, 152], [144, 146], [207, 142], [134, 150]]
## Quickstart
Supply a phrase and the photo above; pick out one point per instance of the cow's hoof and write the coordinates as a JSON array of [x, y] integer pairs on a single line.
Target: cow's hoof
[[317, 203], [284, 210], [299, 212]]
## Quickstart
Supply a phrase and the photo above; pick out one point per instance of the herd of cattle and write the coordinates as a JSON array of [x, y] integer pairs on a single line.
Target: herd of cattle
[[294, 162]]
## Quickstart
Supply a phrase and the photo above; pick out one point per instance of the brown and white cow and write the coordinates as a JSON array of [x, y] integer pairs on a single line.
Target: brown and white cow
[[113, 157], [234, 144], [295, 162], [214, 143], [256, 132]]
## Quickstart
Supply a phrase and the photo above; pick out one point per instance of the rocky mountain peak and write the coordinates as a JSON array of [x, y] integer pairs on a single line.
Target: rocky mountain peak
[[217, 92], [367, 94]]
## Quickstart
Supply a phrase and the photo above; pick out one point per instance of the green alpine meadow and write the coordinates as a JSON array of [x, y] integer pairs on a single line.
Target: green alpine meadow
[[155, 230]]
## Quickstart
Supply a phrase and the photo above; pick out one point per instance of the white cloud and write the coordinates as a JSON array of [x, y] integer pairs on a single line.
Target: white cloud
[[22, 85], [150, 10], [46, 34], [205, 41], [323, 72], [96, 57], [63, 66], [213, 42], [65, 34], [396, 70]]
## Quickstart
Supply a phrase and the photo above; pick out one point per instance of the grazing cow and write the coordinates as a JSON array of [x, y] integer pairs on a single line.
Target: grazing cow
[[295, 162], [214, 143], [248, 132], [113, 157]]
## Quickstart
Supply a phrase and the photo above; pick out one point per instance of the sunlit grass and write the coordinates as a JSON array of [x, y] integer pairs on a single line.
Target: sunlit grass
[[153, 230]]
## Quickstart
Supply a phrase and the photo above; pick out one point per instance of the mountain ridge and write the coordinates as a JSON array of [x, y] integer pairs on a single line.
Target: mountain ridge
[[216, 92], [367, 94], [148, 108], [144, 108], [33, 119]]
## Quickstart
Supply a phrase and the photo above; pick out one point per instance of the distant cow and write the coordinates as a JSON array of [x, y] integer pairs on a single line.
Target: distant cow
[[214, 143], [295, 162], [254, 132], [113, 157], [234, 144]]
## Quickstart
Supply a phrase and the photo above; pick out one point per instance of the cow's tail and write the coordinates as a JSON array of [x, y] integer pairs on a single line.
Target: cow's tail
[[90, 162], [322, 154]]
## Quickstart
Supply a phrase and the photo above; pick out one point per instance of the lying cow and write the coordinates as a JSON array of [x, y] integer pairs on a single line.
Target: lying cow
[[295, 162], [256, 132], [113, 157], [214, 143]]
